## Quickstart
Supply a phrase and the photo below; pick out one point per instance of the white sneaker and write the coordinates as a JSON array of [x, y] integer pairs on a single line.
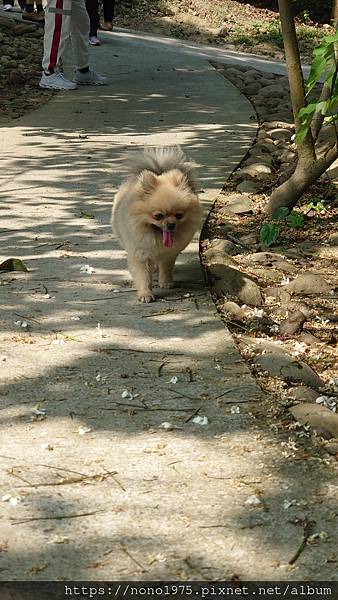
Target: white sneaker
[[94, 41], [90, 78], [56, 81], [8, 7]]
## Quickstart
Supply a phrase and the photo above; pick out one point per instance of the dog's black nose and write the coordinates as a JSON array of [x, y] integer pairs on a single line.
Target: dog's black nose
[[170, 226]]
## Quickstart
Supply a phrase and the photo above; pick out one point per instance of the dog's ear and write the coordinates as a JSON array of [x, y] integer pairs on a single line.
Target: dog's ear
[[177, 178], [148, 181]]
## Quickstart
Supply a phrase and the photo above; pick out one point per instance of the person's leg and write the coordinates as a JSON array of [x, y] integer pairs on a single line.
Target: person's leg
[[108, 13], [57, 31], [8, 5], [28, 13], [92, 7]]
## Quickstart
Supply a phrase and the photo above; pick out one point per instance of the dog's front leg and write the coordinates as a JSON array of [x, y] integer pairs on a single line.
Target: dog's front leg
[[142, 275], [166, 268]]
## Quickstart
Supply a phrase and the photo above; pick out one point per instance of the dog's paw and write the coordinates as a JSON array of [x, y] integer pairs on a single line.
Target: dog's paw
[[146, 298], [166, 285]]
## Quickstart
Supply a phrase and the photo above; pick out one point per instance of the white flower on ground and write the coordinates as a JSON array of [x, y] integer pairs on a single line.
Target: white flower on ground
[[253, 501], [200, 420], [83, 430], [174, 379], [87, 269]]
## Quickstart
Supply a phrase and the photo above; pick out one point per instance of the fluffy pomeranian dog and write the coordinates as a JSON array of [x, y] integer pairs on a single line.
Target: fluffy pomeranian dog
[[155, 215]]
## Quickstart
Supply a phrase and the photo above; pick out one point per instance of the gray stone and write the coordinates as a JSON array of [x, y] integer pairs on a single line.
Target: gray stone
[[237, 204], [275, 90], [280, 134], [227, 280], [318, 417], [252, 88], [278, 125], [288, 368], [264, 159], [309, 283], [233, 310], [257, 170], [292, 324], [302, 393], [248, 187]]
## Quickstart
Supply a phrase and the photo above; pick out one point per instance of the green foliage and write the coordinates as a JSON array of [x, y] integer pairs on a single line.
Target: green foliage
[[324, 70], [280, 214], [269, 233], [295, 220], [317, 205]]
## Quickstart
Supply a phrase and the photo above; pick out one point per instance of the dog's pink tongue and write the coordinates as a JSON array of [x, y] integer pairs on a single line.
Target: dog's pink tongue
[[167, 239]]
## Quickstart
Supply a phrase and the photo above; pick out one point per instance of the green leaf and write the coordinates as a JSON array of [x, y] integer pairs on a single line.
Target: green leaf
[[281, 213], [85, 215], [13, 264], [295, 220], [269, 233]]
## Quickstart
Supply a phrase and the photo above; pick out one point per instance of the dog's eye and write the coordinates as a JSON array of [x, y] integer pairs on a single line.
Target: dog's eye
[[158, 216], [178, 216]]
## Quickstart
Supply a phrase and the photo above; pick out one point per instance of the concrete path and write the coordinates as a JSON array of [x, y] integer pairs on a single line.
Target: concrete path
[[94, 487]]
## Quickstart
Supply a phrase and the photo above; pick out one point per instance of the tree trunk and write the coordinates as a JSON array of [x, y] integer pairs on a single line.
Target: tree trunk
[[334, 15], [292, 190], [307, 170]]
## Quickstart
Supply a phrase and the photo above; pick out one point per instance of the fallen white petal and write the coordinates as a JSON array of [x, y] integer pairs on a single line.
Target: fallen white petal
[[200, 420], [83, 430], [253, 500], [174, 379]]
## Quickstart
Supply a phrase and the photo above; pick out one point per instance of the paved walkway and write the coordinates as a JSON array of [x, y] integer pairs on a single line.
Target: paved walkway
[[98, 489]]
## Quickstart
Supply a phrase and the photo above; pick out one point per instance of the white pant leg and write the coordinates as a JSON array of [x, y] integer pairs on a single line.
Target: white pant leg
[[79, 34], [57, 30]]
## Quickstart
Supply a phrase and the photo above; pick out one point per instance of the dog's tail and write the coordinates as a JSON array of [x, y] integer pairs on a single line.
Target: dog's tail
[[161, 160]]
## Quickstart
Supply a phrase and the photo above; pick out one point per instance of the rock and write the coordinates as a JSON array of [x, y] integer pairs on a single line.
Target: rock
[[23, 28], [233, 310], [317, 416], [261, 345], [293, 324], [285, 156], [15, 78], [280, 134], [248, 187], [302, 393], [224, 31], [262, 158], [333, 239], [309, 283], [308, 338], [214, 256], [222, 246], [258, 170], [273, 91], [331, 448], [279, 125], [227, 280], [252, 88], [289, 369], [238, 203], [249, 239]]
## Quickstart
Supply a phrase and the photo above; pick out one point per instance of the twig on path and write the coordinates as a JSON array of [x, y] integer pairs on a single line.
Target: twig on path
[[225, 393], [27, 318], [72, 480], [182, 395], [148, 408], [307, 527], [193, 414], [58, 517], [10, 472], [111, 349], [124, 549]]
